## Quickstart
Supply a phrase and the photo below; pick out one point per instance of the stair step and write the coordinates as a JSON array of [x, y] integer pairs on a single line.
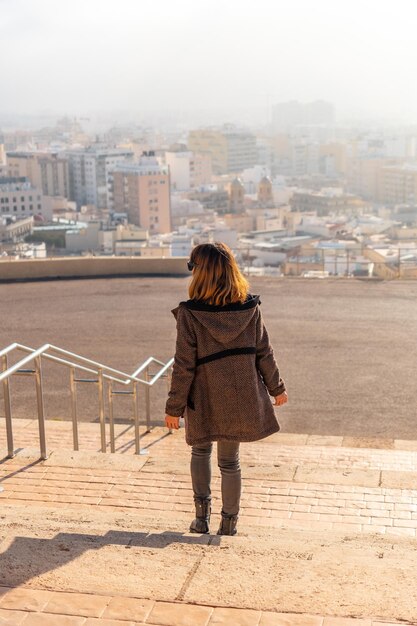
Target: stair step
[[323, 530]]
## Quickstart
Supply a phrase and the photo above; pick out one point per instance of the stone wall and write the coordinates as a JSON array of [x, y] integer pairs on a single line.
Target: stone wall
[[81, 267]]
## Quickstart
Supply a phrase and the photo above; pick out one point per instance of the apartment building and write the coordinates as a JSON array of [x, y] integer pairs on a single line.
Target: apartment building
[[364, 176], [142, 191], [89, 170], [188, 170], [46, 171], [19, 198], [398, 184], [231, 150]]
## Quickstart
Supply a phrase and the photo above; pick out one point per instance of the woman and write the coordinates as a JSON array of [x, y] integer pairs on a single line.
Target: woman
[[223, 376]]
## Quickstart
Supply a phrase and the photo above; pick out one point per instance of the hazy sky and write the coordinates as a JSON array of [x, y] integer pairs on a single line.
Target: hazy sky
[[139, 55]]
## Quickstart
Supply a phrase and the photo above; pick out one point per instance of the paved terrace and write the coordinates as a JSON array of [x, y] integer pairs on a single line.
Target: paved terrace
[[327, 534]]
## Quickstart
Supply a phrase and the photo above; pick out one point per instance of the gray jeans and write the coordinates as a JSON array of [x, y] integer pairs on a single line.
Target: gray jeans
[[228, 462]]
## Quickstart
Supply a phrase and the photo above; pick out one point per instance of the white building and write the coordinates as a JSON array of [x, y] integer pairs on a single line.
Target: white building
[[31, 250], [89, 173], [178, 243], [366, 225], [252, 176]]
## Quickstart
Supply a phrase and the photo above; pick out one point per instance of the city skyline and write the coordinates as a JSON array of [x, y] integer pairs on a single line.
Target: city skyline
[[230, 58]]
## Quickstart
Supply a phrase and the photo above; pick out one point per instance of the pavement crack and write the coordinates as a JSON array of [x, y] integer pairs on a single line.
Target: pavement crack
[[191, 574]]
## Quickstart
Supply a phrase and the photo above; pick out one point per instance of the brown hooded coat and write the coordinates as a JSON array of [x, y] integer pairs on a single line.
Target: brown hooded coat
[[224, 373]]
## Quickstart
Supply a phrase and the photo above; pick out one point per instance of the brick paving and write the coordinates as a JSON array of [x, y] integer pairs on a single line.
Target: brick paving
[[29, 607], [289, 482], [269, 503], [369, 506]]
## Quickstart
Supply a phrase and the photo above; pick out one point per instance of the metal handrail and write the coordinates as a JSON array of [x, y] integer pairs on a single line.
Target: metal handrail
[[79, 362], [128, 378]]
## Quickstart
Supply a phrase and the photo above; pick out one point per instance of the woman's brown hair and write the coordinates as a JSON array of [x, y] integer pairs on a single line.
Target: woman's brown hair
[[217, 278]]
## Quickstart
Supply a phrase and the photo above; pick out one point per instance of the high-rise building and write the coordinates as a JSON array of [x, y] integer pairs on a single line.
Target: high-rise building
[[46, 171], [89, 173], [231, 149], [142, 190]]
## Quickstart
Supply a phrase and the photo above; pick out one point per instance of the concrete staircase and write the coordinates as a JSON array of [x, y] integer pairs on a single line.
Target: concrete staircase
[[327, 534]]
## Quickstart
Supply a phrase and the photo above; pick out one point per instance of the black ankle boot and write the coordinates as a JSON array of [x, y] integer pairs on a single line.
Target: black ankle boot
[[228, 525], [202, 516]]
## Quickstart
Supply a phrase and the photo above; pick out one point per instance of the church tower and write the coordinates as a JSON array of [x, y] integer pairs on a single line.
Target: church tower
[[236, 196], [265, 196]]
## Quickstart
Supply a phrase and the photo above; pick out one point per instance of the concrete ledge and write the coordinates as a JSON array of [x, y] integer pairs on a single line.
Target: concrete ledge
[[90, 267]]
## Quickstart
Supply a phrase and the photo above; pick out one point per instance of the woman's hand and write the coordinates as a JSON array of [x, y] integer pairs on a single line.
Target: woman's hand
[[281, 399], [171, 422]]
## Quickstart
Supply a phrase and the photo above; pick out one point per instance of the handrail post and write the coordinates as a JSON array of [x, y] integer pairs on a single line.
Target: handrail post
[[41, 410], [138, 449], [136, 417], [169, 376], [101, 409], [111, 418], [74, 409], [148, 401], [8, 411]]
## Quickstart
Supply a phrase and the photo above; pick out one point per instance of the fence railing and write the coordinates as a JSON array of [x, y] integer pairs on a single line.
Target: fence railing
[[80, 367], [386, 263]]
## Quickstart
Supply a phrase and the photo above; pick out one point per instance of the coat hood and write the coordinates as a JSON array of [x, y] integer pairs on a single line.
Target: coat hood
[[224, 323]]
